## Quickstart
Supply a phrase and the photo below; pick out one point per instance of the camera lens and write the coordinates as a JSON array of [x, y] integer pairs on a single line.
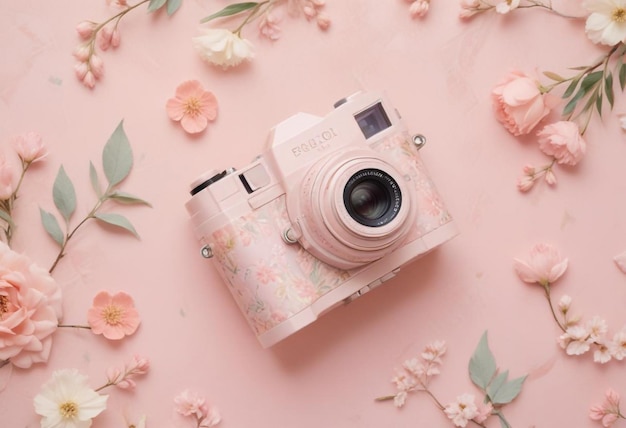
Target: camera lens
[[372, 197]]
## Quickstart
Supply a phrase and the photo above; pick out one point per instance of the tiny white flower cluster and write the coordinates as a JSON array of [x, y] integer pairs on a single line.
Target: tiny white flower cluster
[[579, 338]]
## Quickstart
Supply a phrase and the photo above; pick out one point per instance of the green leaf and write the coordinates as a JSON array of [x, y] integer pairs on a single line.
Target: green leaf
[[553, 76], [571, 105], [95, 182], [117, 156], [64, 195], [591, 79], [608, 89], [51, 225], [508, 391], [496, 384], [622, 76], [503, 422], [155, 5], [172, 6], [482, 365], [571, 88], [231, 9], [6, 217], [117, 220], [127, 198], [599, 104]]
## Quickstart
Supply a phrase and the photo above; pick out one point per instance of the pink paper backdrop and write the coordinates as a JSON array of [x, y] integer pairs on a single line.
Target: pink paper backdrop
[[439, 72]]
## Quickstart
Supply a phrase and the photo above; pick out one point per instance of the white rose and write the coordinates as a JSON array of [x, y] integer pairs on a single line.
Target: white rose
[[223, 47]]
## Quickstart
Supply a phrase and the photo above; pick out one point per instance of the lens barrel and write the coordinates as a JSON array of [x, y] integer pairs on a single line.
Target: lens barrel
[[372, 197]]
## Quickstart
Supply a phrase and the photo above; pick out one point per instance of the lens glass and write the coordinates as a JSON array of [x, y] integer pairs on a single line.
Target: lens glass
[[372, 197]]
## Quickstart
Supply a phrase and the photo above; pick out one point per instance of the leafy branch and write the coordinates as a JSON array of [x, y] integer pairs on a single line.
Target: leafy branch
[[591, 86], [117, 161]]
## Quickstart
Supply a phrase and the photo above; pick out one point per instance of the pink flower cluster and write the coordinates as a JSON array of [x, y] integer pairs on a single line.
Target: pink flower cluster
[[465, 409], [608, 412], [417, 372], [191, 404], [124, 377], [312, 10], [520, 105]]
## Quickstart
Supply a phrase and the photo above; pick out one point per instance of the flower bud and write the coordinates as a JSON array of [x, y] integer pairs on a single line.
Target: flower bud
[[115, 38], [550, 177], [82, 52], [85, 29], [104, 38], [525, 183], [81, 70], [89, 80], [323, 21], [96, 65]]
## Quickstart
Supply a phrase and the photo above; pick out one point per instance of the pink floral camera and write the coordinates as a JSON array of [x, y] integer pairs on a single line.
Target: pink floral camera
[[333, 208]]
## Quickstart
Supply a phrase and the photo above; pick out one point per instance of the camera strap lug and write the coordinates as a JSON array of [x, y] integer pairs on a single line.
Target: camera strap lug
[[206, 252]]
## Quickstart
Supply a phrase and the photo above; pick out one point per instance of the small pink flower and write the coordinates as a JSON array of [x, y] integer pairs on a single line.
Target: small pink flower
[[265, 274], [618, 345], [104, 38], [608, 411], [268, 26], [419, 8], [323, 21], [85, 29], [29, 147], [192, 106], [525, 183], [124, 378], [484, 412], [400, 399], [506, 6], [30, 309], [544, 266], [563, 141], [469, 8], [7, 175], [189, 403], [518, 103], [462, 410], [432, 352], [550, 177], [575, 340], [113, 316]]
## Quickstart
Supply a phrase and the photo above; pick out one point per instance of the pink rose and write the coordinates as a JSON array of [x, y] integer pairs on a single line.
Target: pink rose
[[519, 104], [30, 308], [563, 141]]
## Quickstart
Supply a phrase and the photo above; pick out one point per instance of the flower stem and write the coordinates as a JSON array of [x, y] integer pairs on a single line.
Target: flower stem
[[73, 326], [253, 14], [7, 205], [547, 290]]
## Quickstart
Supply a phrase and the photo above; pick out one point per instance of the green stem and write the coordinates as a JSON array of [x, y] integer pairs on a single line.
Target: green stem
[[7, 205], [547, 290], [73, 326], [253, 14]]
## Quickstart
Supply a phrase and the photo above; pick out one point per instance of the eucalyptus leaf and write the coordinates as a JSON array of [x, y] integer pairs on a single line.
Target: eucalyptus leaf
[[117, 156], [622, 76], [172, 6], [117, 220], [503, 422], [482, 365], [508, 391], [95, 182], [571, 105], [64, 195], [230, 10], [155, 5], [127, 198], [6, 217], [51, 225], [599, 104]]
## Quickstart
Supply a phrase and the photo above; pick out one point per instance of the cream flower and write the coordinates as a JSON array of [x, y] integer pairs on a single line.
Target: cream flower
[[66, 401], [223, 47], [507, 6], [462, 410], [607, 22]]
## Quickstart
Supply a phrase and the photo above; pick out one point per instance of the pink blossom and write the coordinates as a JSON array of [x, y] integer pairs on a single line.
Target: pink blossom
[[618, 346], [462, 410], [85, 29], [575, 340], [506, 6], [433, 351], [525, 183], [124, 378], [608, 411], [565, 303], [419, 8], [484, 411], [192, 106], [268, 26], [104, 38], [550, 177], [82, 52], [544, 265], [323, 21], [597, 328], [602, 354], [96, 65], [400, 399], [563, 141], [189, 403], [265, 274], [30, 309], [29, 147], [113, 316], [518, 103], [469, 8], [7, 178]]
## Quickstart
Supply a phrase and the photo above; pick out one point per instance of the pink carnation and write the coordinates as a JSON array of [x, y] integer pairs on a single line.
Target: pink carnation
[[563, 141], [30, 308], [519, 104]]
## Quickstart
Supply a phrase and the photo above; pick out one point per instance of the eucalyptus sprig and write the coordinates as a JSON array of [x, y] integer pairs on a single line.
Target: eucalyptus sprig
[[588, 89], [251, 9], [117, 162]]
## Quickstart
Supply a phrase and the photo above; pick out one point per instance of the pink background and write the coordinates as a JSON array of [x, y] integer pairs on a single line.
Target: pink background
[[439, 72]]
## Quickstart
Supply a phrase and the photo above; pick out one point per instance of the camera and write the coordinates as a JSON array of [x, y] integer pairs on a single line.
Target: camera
[[334, 207]]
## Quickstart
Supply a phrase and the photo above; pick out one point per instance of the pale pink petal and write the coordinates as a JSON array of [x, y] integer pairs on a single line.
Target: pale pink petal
[[194, 124], [175, 109], [525, 272], [620, 261]]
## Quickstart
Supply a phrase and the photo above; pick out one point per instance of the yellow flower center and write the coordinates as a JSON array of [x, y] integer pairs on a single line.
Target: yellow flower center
[[112, 314], [192, 106], [619, 14], [68, 410]]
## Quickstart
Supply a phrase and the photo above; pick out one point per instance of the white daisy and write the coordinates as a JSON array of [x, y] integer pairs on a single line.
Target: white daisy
[[67, 401]]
